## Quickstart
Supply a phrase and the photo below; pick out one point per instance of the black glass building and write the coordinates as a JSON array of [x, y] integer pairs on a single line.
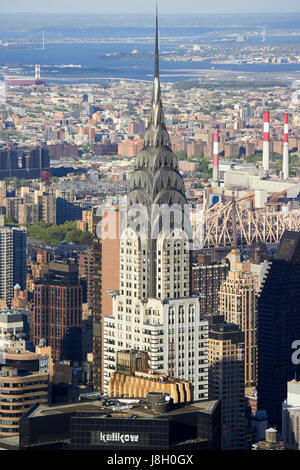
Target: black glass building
[[279, 327], [90, 426]]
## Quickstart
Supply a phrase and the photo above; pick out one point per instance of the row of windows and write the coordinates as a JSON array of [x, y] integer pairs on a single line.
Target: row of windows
[[22, 392], [16, 400], [9, 422]]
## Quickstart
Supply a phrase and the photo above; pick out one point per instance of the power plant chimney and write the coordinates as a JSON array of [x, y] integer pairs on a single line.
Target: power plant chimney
[[37, 72], [285, 160], [216, 160], [266, 143]]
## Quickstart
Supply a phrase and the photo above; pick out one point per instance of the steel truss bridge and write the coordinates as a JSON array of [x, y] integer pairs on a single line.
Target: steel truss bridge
[[231, 223]]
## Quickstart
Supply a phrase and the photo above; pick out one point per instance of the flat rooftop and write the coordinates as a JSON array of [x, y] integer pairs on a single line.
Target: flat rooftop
[[136, 409], [9, 443], [20, 354]]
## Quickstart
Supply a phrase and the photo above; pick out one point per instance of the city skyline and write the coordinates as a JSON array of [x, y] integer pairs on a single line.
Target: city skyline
[[167, 329]]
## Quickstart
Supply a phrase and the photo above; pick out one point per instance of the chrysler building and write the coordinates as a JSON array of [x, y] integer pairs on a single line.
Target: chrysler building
[[153, 310]]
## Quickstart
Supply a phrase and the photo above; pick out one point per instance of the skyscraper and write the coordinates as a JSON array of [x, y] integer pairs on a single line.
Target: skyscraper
[[290, 416], [22, 386], [238, 305], [106, 278], [85, 270], [19, 248], [48, 203], [226, 381], [207, 278], [23, 163], [153, 311], [12, 260], [279, 327], [57, 311]]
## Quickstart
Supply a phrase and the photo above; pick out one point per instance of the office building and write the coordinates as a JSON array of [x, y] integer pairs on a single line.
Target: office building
[[140, 383], [86, 270], [12, 260], [207, 278], [14, 329], [153, 310], [66, 210], [279, 327], [134, 379], [12, 206], [28, 213], [19, 256], [23, 163], [95, 425], [172, 332], [106, 280], [136, 127], [226, 381], [57, 311], [110, 220], [21, 386], [291, 416], [238, 305], [87, 331], [48, 203], [86, 222]]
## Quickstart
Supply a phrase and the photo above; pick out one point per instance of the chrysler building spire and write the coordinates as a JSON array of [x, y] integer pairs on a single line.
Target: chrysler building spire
[[156, 59], [156, 133]]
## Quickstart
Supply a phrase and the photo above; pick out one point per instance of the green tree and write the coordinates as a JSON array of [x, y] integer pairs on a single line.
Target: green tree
[[181, 154], [10, 221], [65, 233]]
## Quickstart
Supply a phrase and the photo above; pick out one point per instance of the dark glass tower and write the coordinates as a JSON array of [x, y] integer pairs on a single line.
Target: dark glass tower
[[20, 262], [279, 327]]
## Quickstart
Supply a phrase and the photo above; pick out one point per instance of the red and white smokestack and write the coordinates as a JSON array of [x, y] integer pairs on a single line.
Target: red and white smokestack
[[285, 160], [37, 72], [216, 159], [266, 143]]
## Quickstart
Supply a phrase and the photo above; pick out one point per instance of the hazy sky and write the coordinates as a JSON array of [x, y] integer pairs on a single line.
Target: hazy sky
[[140, 6]]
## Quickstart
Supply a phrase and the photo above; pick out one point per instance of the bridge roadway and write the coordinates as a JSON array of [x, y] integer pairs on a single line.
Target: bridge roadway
[[95, 79]]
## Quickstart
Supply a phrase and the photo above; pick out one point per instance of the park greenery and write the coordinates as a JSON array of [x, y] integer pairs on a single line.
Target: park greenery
[[65, 233], [204, 173], [19, 182], [181, 154], [56, 234], [10, 134]]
